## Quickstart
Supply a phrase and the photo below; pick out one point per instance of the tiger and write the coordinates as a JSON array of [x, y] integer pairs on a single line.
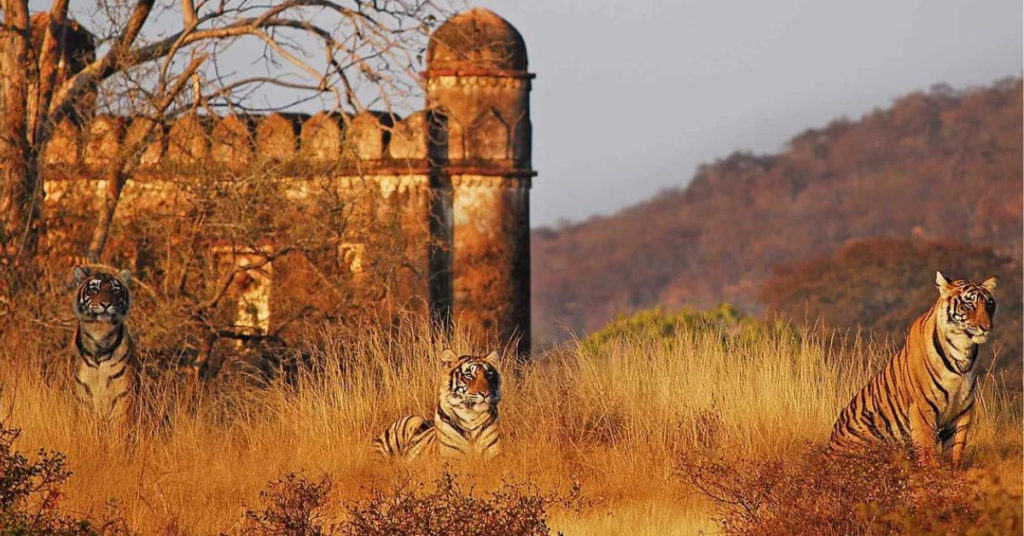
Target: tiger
[[466, 419], [106, 372], [925, 394]]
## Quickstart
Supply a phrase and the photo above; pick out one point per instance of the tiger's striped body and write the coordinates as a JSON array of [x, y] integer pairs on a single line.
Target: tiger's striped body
[[925, 394], [106, 370], [466, 419]]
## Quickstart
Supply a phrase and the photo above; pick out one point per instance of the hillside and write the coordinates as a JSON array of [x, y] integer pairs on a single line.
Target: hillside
[[939, 166], [875, 284]]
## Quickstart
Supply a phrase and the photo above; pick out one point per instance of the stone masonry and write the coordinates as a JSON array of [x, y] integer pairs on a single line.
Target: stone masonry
[[457, 175]]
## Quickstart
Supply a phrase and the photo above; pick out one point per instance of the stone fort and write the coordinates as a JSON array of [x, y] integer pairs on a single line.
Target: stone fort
[[454, 176]]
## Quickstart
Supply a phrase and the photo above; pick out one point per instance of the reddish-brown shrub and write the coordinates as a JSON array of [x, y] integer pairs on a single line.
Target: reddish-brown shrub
[[880, 492], [515, 509], [293, 506], [31, 492]]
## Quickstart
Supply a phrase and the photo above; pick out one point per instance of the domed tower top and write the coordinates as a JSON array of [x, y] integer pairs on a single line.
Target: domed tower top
[[476, 41]]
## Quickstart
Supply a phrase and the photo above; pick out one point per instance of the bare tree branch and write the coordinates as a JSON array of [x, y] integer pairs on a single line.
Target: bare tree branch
[[344, 53], [63, 103], [188, 14], [127, 163], [52, 48]]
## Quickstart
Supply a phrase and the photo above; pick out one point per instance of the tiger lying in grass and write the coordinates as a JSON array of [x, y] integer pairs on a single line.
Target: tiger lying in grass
[[466, 420]]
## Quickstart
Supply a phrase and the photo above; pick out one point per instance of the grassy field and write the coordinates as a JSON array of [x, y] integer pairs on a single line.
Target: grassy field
[[617, 418]]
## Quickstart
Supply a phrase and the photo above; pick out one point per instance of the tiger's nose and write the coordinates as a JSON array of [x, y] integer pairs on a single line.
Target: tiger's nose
[[482, 390]]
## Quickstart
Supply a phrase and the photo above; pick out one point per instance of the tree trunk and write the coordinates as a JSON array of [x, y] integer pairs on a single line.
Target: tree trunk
[[22, 188], [111, 198]]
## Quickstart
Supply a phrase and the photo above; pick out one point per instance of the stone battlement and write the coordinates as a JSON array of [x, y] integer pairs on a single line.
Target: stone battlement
[[443, 193], [296, 145]]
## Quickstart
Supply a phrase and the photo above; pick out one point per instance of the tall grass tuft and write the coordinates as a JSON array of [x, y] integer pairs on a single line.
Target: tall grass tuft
[[617, 416]]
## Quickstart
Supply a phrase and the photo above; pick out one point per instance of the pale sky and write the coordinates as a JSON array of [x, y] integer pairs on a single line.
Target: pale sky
[[631, 96]]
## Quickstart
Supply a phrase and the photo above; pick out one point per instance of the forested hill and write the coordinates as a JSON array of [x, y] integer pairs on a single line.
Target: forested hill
[[938, 166]]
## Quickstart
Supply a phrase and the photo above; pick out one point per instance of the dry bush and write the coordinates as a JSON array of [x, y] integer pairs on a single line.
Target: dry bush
[[882, 491], [514, 509], [293, 505], [31, 493]]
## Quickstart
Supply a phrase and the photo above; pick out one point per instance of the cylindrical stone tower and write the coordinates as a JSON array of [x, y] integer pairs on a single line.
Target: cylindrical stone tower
[[477, 79]]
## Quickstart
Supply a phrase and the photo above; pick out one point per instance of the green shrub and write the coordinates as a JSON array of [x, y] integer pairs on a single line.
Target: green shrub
[[663, 327]]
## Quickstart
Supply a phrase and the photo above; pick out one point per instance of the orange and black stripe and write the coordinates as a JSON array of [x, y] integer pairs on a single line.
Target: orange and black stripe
[[925, 394]]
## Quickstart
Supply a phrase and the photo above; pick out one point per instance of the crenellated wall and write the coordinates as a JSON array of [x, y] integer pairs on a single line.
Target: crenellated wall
[[443, 194], [367, 143]]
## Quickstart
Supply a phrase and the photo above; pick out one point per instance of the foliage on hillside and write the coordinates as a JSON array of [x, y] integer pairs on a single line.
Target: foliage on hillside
[[942, 165], [883, 284]]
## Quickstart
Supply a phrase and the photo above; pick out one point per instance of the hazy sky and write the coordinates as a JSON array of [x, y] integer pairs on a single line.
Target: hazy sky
[[631, 96]]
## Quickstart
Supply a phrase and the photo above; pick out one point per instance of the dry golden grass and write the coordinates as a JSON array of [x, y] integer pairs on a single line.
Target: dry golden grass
[[618, 419]]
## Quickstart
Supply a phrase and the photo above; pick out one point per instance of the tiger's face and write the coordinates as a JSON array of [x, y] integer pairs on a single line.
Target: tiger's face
[[102, 297], [471, 382], [968, 307]]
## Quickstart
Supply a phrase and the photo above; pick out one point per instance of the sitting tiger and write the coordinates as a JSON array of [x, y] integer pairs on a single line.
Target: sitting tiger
[[105, 375], [925, 394], [466, 420]]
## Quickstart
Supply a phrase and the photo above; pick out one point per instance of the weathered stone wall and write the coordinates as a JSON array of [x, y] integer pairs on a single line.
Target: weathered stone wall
[[369, 173], [492, 255], [488, 117], [478, 80], [367, 144], [430, 212]]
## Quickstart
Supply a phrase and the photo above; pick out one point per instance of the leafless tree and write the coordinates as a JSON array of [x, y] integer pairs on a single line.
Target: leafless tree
[[158, 59]]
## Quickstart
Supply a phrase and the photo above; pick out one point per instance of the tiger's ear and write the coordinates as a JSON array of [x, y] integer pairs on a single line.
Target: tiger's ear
[[125, 276], [449, 357], [492, 357], [80, 274], [942, 284], [990, 283]]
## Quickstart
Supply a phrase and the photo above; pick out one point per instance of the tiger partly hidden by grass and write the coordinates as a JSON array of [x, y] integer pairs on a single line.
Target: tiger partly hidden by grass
[[925, 394], [106, 369], [466, 419]]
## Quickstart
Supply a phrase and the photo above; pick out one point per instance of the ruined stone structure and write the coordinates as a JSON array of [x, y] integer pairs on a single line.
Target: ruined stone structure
[[454, 179]]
